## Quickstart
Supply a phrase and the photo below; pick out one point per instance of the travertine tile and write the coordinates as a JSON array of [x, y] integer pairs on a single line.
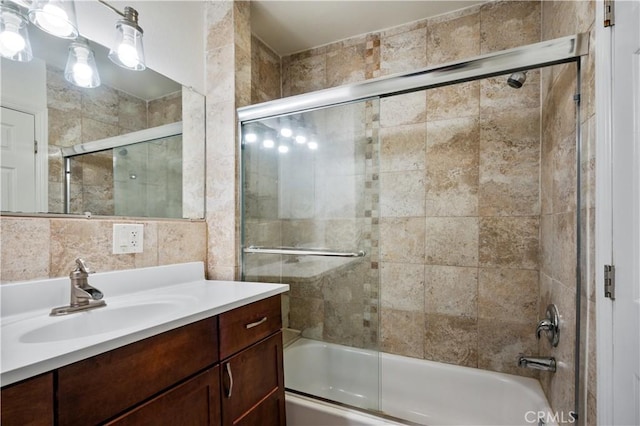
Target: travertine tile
[[402, 286], [307, 315], [509, 242], [548, 244], [459, 100], [452, 241], [499, 347], [402, 194], [402, 148], [222, 239], [564, 259], [64, 127], [559, 19], [62, 95], [451, 339], [343, 323], [558, 108], [452, 167], [101, 104], [132, 112], [496, 95], [510, 163], [346, 65], [509, 295], [402, 240], [305, 75], [93, 130], [403, 52], [219, 21], [565, 176], [220, 82], [451, 291], [454, 39], [398, 110], [180, 242], [265, 69], [25, 246], [507, 24], [90, 239], [402, 332], [165, 110]]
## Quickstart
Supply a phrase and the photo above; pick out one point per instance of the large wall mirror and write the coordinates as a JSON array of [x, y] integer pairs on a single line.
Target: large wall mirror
[[134, 146]]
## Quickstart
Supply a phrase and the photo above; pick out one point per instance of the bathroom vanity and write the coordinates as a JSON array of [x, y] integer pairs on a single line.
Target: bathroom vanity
[[215, 360]]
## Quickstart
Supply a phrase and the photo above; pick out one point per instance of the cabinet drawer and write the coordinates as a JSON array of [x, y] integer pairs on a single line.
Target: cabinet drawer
[[253, 379], [29, 402], [195, 402], [244, 326], [98, 388]]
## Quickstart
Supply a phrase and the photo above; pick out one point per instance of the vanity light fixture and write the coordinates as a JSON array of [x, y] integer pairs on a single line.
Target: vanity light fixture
[[57, 17], [14, 36], [81, 68], [127, 50]]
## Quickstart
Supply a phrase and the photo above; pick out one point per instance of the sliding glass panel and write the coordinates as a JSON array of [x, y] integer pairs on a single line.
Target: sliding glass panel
[[310, 195]]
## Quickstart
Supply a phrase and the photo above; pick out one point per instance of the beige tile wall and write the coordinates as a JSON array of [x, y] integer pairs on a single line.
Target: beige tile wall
[[558, 230], [459, 186], [35, 248]]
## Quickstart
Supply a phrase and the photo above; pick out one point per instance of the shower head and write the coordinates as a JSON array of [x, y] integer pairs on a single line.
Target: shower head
[[517, 79]]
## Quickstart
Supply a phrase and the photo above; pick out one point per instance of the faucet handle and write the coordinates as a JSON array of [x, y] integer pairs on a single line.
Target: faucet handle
[[81, 265]]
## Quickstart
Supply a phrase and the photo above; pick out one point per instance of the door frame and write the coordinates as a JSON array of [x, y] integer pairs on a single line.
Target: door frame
[[607, 369], [41, 121]]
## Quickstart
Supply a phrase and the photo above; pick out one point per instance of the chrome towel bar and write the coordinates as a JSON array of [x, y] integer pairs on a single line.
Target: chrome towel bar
[[304, 252]]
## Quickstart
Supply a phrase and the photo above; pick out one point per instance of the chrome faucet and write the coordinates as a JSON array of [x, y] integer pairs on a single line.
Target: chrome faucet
[[83, 296], [550, 325], [537, 363]]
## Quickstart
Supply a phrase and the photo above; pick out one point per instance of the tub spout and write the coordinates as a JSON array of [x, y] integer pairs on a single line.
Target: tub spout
[[537, 363]]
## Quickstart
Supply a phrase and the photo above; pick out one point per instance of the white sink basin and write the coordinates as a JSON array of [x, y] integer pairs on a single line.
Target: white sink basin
[[99, 321]]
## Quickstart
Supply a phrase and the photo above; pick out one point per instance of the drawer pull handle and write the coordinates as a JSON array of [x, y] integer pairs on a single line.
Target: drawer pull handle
[[257, 323], [228, 368]]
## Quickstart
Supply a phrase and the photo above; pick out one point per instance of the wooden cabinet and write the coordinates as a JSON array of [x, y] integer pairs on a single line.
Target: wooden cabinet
[[174, 378], [29, 402], [251, 366], [100, 387], [195, 402], [253, 384]]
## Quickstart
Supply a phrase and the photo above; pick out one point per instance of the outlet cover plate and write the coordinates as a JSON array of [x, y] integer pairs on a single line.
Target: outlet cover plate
[[128, 238]]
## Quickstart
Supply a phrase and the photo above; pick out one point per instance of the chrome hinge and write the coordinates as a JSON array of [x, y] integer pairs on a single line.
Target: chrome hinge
[[35, 147], [609, 20], [610, 281]]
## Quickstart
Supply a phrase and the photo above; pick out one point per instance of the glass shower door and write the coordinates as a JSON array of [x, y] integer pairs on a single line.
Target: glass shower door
[[310, 194]]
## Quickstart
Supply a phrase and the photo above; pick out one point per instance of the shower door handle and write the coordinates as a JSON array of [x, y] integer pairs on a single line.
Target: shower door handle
[[294, 251]]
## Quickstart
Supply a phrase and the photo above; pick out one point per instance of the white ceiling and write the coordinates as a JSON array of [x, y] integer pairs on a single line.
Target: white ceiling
[[290, 26]]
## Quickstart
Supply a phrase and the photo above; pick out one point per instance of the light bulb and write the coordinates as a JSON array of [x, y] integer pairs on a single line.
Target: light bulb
[[301, 139], [283, 149], [286, 132], [128, 55], [268, 143], [250, 137], [54, 20], [313, 145], [82, 74], [11, 42]]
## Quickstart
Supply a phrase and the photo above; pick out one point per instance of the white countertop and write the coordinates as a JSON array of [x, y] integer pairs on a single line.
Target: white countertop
[[28, 348]]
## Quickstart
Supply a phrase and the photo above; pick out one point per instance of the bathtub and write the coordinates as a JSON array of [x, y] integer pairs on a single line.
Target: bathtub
[[418, 391]]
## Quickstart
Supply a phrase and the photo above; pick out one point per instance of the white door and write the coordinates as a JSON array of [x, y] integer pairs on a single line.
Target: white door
[[18, 161], [626, 213]]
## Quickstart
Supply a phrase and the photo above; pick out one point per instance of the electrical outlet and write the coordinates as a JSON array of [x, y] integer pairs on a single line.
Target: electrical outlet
[[128, 238]]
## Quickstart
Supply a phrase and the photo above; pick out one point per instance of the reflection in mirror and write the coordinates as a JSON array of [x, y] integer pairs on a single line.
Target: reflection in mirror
[[62, 115]]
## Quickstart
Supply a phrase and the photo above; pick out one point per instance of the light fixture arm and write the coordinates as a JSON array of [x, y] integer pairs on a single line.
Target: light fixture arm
[[130, 14]]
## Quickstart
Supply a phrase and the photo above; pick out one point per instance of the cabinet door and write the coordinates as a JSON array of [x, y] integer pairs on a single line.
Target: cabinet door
[[253, 385], [196, 402], [29, 402]]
